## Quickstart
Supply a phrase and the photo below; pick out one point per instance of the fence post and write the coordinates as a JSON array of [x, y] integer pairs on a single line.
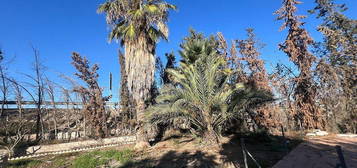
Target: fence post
[[243, 151], [251, 156], [341, 159]]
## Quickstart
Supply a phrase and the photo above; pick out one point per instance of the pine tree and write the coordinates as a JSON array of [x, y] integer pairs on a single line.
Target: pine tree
[[296, 46], [337, 68]]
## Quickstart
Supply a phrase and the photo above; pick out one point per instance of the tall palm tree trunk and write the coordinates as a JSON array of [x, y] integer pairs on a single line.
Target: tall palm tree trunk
[[140, 67]]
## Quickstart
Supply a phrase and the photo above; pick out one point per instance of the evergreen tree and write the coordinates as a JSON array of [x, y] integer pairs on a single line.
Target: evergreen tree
[[296, 46], [337, 68]]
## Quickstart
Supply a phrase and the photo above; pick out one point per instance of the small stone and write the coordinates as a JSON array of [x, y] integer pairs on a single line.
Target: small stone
[[310, 134], [321, 133]]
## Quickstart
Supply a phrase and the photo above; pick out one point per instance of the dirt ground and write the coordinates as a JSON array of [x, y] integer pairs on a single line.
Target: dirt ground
[[178, 150], [186, 152], [321, 153]]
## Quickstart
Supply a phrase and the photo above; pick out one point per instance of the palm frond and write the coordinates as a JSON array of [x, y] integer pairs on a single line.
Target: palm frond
[[148, 18], [201, 86]]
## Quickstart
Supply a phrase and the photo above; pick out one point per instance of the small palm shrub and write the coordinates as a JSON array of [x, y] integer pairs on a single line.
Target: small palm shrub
[[202, 93]]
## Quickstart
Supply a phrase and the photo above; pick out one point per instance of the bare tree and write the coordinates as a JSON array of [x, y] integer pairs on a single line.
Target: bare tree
[[38, 85], [282, 80], [51, 93], [16, 130], [17, 127], [18, 97], [4, 86], [68, 98]]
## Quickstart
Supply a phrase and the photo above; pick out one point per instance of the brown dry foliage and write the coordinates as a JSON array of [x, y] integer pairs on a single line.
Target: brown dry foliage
[[248, 57], [257, 78], [126, 103], [296, 46], [93, 101]]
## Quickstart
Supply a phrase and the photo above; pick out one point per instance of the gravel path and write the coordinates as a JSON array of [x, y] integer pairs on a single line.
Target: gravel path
[[321, 153]]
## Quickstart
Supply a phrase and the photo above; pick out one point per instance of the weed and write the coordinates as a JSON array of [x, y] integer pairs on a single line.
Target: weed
[[98, 158], [85, 161], [24, 163]]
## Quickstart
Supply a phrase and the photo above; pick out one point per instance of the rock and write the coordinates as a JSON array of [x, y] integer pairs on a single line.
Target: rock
[[321, 133], [317, 132]]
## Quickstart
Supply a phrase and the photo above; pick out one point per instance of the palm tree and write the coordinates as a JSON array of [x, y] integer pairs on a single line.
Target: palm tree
[[202, 93], [138, 25]]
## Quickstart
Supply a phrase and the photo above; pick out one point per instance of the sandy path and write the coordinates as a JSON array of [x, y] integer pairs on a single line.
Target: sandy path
[[321, 153]]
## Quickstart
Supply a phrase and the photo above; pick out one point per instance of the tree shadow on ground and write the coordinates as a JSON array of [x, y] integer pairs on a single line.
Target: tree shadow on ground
[[322, 151], [266, 149], [174, 159]]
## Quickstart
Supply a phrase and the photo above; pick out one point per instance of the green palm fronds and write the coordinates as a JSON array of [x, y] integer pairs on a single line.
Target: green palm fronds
[[202, 93], [129, 18]]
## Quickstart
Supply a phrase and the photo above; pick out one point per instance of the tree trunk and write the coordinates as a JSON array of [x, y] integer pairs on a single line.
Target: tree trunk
[[209, 135], [4, 92], [55, 121], [125, 100], [140, 68]]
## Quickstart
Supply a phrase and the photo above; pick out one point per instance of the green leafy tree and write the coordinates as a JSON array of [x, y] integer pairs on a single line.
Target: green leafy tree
[[138, 25], [201, 94]]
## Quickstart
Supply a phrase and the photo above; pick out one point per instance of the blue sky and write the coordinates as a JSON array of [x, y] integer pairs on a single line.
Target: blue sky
[[59, 27]]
